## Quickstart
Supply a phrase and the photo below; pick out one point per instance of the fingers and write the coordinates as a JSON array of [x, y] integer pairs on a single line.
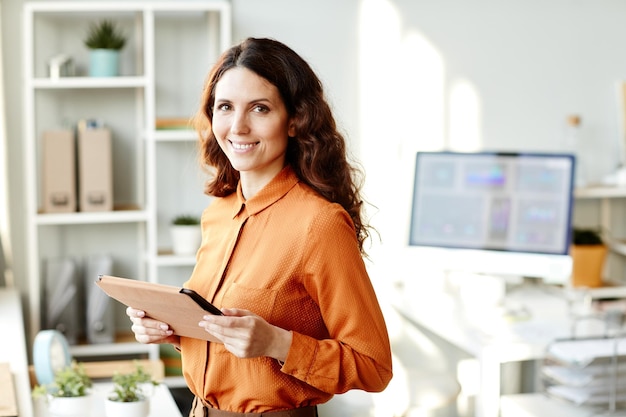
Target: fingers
[[217, 325], [244, 334], [147, 334], [132, 312], [238, 312], [148, 330], [157, 339], [227, 328], [214, 325]]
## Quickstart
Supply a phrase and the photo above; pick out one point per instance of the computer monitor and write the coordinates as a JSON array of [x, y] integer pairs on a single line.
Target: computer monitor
[[495, 213]]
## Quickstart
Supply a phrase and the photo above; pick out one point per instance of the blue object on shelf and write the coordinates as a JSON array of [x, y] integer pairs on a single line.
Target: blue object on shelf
[[104, 62]]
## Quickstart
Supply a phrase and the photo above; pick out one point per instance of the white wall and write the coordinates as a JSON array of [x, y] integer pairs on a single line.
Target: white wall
[[409, 74], [480, 74]]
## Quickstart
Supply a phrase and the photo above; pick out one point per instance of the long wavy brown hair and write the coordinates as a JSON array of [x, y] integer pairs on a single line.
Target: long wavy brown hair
[[317, 153]]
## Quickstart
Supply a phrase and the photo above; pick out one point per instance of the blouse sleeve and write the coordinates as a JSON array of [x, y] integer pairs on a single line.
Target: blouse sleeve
[[357, 354]]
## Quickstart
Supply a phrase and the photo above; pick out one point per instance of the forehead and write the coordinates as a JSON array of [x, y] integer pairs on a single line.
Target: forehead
[[241, 82]]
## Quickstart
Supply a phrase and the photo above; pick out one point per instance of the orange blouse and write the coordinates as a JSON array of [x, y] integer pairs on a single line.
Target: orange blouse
[[291, 257]]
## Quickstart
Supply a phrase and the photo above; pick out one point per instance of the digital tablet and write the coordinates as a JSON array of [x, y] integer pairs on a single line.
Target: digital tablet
[[181, 308]]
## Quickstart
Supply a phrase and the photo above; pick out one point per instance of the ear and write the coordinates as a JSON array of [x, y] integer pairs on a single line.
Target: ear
[[291, 130]]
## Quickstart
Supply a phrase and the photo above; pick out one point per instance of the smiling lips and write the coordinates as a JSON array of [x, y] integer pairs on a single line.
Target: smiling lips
[[243, 146]]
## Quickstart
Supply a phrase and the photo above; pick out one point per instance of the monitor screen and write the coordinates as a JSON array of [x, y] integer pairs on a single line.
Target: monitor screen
[[508, 203]]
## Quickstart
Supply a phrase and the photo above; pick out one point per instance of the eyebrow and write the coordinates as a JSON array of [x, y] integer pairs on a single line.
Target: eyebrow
[[256, 100]]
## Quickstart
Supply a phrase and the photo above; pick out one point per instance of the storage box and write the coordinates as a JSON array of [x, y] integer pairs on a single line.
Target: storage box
[[58, 171], [95, 170]]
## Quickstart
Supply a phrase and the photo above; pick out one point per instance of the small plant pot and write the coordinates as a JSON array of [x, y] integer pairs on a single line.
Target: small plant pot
[[186, 239], [69, 406], [587, 265], [126, 409], [103, 62]]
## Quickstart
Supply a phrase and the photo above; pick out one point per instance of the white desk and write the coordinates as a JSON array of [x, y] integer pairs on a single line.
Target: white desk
[[162, 403], [13, 348], [538, 405], [486, 335]]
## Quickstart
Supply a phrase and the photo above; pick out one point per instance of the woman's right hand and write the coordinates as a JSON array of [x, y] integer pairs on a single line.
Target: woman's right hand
[[148, 330]]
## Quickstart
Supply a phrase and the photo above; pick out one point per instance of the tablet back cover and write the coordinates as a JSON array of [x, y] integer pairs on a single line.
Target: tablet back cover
[[160, 302]]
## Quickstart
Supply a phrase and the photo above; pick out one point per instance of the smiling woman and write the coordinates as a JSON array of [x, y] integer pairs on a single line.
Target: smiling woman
[[282, 248]]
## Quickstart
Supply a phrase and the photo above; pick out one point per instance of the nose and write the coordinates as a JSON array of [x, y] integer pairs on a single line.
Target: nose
[[239, 123]]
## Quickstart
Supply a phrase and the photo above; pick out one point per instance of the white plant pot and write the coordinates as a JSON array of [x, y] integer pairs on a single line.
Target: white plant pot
[[69, 406], [186, 239], [121, 409]]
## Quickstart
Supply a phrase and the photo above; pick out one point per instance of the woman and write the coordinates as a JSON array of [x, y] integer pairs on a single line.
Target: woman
[[282, 248]]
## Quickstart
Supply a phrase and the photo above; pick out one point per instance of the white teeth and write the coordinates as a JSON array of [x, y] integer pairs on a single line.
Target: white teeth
[[242, 146]]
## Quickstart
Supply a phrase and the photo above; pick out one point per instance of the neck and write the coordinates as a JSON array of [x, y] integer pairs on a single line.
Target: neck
[[253, 182]]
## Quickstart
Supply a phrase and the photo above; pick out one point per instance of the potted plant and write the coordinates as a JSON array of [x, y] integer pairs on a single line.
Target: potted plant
[[69, 393], [130, 394], [186, 234], [105, 41], [588, 253]]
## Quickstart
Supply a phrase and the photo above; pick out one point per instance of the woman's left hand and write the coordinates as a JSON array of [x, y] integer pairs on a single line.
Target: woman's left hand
[[247, 335]]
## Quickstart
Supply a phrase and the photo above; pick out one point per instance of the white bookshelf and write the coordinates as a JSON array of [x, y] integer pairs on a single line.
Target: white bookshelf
[[170, 48]]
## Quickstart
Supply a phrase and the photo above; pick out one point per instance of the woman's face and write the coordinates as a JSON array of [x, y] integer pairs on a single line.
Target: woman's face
[[251, 124]]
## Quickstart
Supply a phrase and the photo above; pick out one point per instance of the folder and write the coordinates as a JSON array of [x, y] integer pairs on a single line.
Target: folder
[[95, 169], [179, 307], [62, 295], [58, 171], [100, 320]]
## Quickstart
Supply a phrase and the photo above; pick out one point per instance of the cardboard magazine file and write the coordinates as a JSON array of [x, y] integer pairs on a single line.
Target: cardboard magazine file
[[182, 309], [58, 171], [95, 170]]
